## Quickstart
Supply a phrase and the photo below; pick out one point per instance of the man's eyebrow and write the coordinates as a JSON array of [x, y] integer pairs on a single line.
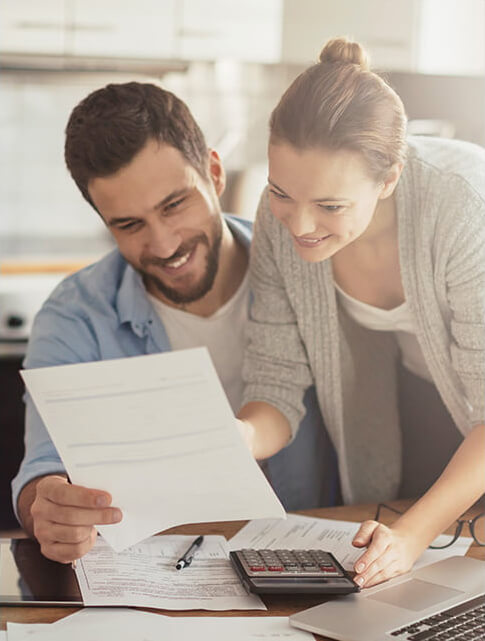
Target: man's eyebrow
[[177, 193], [276, 186]]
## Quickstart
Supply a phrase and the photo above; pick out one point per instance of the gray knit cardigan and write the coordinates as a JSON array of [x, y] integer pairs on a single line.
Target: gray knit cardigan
[[298, 334]]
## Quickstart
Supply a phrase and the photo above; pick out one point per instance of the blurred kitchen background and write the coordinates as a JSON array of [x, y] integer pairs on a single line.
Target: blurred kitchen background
[[230, 60]]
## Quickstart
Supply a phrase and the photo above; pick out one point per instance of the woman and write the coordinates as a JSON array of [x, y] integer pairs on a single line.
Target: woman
[[368, 259]]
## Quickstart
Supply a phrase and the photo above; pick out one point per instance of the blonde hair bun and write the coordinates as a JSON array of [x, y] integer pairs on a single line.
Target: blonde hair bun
[[344, 50]]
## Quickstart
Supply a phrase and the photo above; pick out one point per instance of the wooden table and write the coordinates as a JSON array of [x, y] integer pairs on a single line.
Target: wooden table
[[277, 605]]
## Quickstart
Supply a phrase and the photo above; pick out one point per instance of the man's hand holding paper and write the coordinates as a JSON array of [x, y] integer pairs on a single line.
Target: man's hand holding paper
[[64, 516], [157, 433]]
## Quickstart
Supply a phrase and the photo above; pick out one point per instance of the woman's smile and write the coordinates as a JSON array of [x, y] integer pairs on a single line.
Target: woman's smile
[[309, 242]]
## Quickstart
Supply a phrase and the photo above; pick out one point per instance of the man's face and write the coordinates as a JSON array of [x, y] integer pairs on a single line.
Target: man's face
[[166, 220]]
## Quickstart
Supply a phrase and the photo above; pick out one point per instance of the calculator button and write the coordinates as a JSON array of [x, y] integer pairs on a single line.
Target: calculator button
[[257, 568], [275, 568]]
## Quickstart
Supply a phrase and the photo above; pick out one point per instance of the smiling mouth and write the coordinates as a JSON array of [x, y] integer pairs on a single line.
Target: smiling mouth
[[179, 262], [310, 242]]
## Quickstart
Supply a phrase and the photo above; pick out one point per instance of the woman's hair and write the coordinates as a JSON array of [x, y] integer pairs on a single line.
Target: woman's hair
[[111, 125], [339, 103]]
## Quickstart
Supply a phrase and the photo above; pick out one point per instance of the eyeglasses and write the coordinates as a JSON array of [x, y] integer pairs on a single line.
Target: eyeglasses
[[476, 526]]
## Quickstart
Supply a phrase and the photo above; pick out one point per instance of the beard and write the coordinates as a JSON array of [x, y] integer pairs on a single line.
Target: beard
[[196, 291]]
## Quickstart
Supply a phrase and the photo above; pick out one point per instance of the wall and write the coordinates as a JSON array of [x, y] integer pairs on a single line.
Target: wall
[[232, 103]]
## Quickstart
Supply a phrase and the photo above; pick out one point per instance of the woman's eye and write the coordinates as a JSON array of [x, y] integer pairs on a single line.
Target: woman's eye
[[332, 208], [279, 195]]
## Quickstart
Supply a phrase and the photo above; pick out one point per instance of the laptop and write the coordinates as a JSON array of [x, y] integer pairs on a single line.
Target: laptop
[[28, 578], [445, 600]]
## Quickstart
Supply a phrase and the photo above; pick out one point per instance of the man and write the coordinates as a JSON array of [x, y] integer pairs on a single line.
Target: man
[[177, 279]]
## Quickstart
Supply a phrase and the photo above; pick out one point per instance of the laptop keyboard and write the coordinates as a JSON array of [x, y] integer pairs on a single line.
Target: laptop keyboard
[[465, 622]]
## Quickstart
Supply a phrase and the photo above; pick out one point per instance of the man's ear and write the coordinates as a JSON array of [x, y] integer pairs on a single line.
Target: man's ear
[[391, 180], [216, 172]]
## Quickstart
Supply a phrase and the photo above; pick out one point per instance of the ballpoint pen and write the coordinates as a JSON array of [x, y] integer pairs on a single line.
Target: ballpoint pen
[[187, 557]]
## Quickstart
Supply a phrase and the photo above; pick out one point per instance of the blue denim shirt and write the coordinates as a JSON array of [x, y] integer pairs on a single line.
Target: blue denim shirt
[[102, 312]]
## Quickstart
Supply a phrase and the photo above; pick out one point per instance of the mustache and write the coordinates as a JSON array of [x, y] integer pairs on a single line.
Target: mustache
[[182, 250]]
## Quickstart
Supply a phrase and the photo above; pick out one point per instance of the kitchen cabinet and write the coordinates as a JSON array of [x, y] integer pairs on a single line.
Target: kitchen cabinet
[[141, 29], [387, 28], [248, 30], [32, 27]]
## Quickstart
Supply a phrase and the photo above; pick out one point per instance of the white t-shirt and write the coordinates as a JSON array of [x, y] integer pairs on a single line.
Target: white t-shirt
[[398, 320], [222, 334]]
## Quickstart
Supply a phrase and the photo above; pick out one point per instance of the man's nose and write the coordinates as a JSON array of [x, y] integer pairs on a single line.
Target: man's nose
[[161, 240]]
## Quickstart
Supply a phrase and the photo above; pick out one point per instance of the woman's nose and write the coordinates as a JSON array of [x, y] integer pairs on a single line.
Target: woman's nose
[[300, 222]]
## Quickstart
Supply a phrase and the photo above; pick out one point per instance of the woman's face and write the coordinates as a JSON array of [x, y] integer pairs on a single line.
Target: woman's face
[[325, 198]]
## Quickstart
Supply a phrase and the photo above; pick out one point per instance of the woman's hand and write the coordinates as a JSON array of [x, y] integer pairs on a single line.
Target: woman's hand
[[389, 553]]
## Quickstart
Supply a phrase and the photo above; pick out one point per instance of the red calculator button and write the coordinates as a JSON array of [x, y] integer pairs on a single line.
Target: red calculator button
[[327, 568], [275, 568], [257, 568]]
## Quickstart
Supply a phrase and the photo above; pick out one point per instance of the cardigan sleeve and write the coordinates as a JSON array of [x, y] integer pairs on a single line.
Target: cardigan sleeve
[[276, 368], [465, 281]]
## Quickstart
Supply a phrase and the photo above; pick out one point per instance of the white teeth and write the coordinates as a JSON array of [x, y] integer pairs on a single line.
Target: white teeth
[[310, 241], [179, 262]]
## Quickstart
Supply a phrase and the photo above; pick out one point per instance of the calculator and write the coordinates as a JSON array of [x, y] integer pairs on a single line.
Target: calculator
[[291, 572]]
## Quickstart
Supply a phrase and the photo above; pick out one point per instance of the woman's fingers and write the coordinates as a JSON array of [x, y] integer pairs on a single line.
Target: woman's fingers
[[388, 554], [377, 537], [379, 570], [364, 534], [388, 572]]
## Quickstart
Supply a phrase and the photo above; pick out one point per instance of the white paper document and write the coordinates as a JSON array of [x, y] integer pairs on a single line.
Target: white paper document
[[126, 625], [305, 533], [158, 433], [22, 631], [144, 575]]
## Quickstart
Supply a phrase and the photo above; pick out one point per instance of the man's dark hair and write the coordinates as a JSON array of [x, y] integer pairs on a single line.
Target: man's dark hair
[[111, 125]]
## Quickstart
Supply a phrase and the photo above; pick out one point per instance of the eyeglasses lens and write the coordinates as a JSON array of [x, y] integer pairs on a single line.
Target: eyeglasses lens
[[443, 540], [479, 529]]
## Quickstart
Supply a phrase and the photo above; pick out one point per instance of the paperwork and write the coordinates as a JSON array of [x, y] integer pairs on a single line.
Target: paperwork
[[126, 625], [157, 432], [305, 533], [145, 576]]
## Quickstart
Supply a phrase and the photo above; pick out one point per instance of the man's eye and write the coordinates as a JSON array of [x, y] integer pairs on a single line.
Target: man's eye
[[332, 208], [129, 226], [174, 204], [279, 195]]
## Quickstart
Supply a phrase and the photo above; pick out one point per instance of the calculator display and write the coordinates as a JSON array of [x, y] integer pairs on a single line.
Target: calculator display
[[291, 572]]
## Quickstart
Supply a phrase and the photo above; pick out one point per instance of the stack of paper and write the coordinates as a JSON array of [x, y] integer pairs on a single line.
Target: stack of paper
[[145, 576], [126, 625]]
